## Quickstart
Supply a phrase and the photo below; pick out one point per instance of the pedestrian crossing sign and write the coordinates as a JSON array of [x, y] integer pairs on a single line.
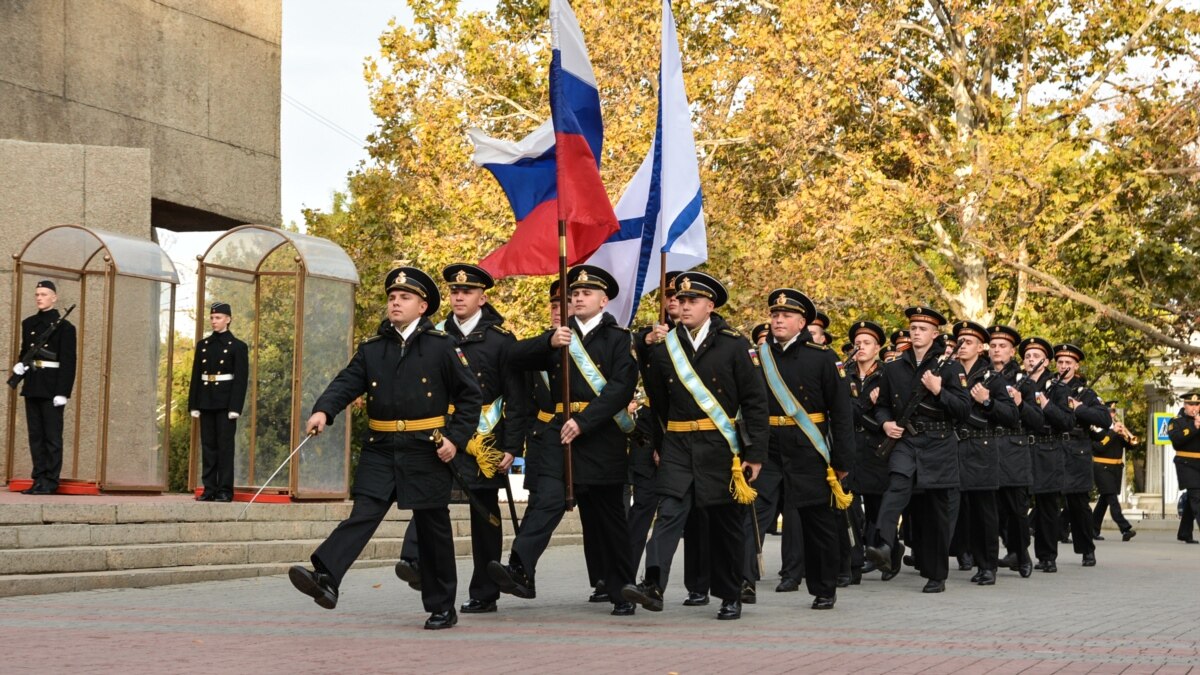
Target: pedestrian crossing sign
[[1160, 428]]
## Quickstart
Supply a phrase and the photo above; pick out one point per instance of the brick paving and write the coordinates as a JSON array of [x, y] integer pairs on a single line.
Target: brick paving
[[1138, 611]]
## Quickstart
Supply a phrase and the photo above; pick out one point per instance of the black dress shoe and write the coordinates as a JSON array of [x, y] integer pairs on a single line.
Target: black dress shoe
[[1128, 534], [512, 580], [855, 577], [977, 576], [986, 578], [623, 609], [788, 585], [600, 594], [1089, 559], [1049, 566], [649, 596], [474, 606], [207, 497], [1188, 540], [1064, 539], [223, 498], [843, 581], [823, 603], [868, 567], [1009, 561], [409, 571], [1097, 537], [730, 610], [749, 594], [440, 620], [317, 585], [881, 556], [695, 599], [965, 562], [42, 490], [934, 586], [29, 490], [1025, 570], [909, 560], [1041, 565]]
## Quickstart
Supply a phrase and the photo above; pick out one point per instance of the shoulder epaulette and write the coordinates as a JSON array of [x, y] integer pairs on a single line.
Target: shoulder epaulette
[[619, 327], [371, 339], [437, 333], [814, 345], [730, 332], [501, 329]]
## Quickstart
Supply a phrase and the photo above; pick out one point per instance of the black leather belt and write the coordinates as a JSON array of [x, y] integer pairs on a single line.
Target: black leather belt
[[922, 427], [966, 434]]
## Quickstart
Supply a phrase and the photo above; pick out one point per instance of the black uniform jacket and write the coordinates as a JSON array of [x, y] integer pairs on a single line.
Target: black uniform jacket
[[641, 446], [220, 354], [932, 454], [599, 456], [487, 347], [1108, 444], [702, 459], [1185, 437], [1016, 443], [811, 373], [49, 382], [1073, 423], [406, 382], [870, 473], [978, 451], [538, 433], [1047, 455]]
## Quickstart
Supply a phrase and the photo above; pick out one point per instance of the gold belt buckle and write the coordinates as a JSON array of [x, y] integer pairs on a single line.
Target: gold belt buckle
[[693, 425], [400, 425]]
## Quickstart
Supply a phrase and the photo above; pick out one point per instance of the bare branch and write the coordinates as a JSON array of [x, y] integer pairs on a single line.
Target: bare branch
[[1022, 282], [1085, 99], [942, 291], [1081, 217], [1057, 287]]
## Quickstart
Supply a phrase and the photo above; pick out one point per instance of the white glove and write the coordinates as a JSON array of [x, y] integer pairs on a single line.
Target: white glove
[[195, 413], [20, 368], [60, 401], [233, 415]]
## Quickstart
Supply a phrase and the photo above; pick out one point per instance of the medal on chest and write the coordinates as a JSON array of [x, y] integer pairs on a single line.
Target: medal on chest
[[962, 380]]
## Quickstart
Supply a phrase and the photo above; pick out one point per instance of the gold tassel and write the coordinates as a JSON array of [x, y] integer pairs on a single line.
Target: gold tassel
[[486, 455], [841, 498], [738, 487]]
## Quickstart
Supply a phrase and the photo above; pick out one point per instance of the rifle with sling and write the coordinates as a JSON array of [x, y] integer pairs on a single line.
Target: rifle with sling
[[915, 398], [28, 357]]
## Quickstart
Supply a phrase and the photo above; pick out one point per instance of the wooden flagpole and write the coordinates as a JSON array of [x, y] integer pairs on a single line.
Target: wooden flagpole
[[568, 470]]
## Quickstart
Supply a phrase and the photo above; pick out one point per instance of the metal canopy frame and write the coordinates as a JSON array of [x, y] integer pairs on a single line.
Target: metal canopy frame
[[66, 252], [239, 255]]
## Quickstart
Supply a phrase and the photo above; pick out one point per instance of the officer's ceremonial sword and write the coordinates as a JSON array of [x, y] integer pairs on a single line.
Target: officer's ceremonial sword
[[479, 509], [277, 470]]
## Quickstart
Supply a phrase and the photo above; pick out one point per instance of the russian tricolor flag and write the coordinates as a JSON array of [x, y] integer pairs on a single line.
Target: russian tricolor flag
[[554, 172]]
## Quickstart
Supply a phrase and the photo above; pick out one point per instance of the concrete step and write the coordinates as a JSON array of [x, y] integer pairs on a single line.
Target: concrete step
[[64, 569], [81, 534]]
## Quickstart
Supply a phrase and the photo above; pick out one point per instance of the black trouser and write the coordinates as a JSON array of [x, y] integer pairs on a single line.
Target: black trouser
[[726, 536], [791, 545], [487, 542], [1045, 526], [1191, 514], [593, 555], [435, 537], [870, 504], [1111, 504], [697, 553], [1013, 504], [543, 513], [216, 443], [769, 486], [1080, 515], [820, 524], [850, 545], [602, 514], [983, 533], [640, 515], [44, 422], [931, 519]]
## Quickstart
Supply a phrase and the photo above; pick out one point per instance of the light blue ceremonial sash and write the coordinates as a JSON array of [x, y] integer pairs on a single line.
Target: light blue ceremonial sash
[[704, 398], [788, 402], [441, 325], [489, 419], [595, 380], [545, 378]]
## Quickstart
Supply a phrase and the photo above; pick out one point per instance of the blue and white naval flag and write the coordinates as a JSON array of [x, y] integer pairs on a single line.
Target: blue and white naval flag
[[661, 209]]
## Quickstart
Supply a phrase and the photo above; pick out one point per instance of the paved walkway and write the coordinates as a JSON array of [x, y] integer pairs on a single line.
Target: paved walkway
[[1138, 611]]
